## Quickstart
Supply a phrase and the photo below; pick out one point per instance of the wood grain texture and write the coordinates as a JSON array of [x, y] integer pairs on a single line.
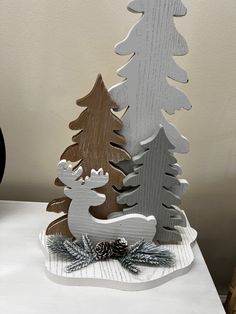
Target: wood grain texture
[[59, 205], [153, 183], [60, 226], [97, 144], [110, 274], [181, 188], [133, 227], [153, 41]]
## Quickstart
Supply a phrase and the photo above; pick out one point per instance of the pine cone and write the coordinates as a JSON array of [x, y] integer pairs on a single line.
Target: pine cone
[[103, 250], [119, 247]]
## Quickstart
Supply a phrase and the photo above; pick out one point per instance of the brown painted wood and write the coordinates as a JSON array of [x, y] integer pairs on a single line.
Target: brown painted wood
[[60, 225], [59, 205], [97, 145], [230, 304]]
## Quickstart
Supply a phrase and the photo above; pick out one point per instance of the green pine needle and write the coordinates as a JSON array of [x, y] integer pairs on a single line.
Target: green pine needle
[[55, 244], [75, 250], [82, 253], [136, 246], [77, 265], [129, 265], [88, 245]]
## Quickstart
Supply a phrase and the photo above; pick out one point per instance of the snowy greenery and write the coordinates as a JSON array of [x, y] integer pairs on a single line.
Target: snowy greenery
[[82, 253]]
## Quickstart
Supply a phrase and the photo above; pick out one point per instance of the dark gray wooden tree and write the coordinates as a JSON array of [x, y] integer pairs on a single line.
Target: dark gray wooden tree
[[151, 186]]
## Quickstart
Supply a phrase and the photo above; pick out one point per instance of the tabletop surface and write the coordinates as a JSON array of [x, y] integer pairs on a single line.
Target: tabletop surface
[[24, 287]]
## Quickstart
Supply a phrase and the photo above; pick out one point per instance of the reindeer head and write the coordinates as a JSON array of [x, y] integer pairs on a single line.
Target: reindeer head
[[79, 188]]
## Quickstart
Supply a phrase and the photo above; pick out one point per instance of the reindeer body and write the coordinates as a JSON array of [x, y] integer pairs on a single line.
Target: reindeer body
[[132, 227]]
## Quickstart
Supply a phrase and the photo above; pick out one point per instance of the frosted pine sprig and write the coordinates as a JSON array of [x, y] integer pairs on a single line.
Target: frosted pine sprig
[[55, 245], [77, 265], [75, 250], [129, 265], [136, 246], [166, 261], [88, 245], [83, 253]]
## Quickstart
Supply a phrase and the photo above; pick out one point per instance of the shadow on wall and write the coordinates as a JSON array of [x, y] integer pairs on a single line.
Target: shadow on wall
[[30, 192], [211, 210]]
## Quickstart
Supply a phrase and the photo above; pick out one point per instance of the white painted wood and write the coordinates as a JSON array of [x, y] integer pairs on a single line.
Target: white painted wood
[[112, 275], [133, 227], [24, 287], [154, 41]]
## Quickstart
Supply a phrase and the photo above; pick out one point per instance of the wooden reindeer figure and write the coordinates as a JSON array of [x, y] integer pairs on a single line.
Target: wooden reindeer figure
[[132, 227]]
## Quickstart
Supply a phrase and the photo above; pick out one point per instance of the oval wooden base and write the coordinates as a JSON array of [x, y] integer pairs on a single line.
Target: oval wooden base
[[111, 274]]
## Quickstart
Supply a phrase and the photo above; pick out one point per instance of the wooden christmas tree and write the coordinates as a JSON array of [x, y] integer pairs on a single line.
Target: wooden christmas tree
[[153, 182], [142, 206], [153, 41], [97, 145]]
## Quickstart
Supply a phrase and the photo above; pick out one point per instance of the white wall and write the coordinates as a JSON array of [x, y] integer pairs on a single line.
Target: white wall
[[50, 54]]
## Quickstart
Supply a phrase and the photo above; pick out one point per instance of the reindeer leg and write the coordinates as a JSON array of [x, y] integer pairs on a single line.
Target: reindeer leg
[[60, 225]]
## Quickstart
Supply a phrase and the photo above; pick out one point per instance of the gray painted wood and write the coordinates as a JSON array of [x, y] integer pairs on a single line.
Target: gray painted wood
[[153, 185], [132, 227], [183, 185], [154, 41], [181, 188]]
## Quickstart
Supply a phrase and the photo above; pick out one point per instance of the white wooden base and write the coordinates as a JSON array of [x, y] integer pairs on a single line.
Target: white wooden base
[[111, 274]]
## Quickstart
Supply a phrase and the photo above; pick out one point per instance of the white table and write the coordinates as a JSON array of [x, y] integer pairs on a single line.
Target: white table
[[24, 287]]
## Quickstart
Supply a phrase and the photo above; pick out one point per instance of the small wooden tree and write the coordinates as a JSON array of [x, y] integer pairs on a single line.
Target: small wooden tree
[[97, 145], [153, 182]]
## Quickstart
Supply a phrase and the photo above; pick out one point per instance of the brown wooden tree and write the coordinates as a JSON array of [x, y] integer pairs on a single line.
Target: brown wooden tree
[[97, 145]]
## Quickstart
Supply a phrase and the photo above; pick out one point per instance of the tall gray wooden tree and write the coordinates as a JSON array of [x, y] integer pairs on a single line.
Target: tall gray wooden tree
[[151, 187], [152, 41]]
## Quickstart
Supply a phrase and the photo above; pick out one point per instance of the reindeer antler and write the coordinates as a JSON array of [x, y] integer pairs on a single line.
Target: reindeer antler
[[96, 179], [70, 177], [67, 175]]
